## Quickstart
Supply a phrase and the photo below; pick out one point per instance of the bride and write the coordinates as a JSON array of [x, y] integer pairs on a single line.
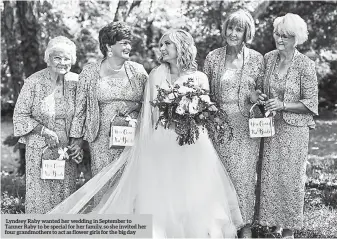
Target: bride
[[185, 188]]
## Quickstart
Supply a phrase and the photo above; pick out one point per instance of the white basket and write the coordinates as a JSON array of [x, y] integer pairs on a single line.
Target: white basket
[[121, 135], [261, 127], [52, 169]]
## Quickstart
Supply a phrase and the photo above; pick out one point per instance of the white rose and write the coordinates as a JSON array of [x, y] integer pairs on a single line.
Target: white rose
[[205, 98], [171, 96], [184, 102], [180, 110], [183, 90]]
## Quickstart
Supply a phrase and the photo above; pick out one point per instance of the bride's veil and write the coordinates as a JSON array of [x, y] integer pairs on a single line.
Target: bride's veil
[[130, 158]]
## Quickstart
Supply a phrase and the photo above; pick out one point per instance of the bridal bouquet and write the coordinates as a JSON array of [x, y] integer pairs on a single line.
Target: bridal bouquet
[[186, 108]]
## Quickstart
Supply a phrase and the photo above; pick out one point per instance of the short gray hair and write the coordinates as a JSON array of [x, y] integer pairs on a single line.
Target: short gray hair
[[61, 43], [293, 25], [242, 18]]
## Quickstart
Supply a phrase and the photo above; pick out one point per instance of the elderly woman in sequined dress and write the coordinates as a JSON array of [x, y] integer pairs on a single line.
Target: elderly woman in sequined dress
[[290, 86], [42, 118], [235, 71], [108, 90]]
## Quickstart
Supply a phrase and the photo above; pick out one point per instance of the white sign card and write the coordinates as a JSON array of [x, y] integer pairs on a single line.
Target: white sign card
[[261, 127], [52, 169], [122, 136]]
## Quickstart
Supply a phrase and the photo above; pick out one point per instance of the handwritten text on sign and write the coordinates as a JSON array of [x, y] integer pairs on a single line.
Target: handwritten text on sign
[[52, 169], [261, 127], [122, 136]]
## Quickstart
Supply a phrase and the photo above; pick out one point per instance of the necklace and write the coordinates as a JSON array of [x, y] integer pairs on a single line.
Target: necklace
[[114, 70]]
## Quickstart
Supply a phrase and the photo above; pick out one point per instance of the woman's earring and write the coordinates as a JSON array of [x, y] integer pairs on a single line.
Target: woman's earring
[[110, 54]]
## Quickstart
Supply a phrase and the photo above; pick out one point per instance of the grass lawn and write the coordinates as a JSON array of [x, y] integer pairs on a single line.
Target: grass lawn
[[320, 209], [8, 162]]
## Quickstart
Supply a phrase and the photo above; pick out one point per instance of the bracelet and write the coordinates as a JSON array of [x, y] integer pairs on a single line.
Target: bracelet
[[284, 106], [42, 130]]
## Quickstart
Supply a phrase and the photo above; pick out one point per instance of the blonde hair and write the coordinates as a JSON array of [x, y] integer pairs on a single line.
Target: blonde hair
[[61, 43], [241, 18], [293, 25], [186, 50]]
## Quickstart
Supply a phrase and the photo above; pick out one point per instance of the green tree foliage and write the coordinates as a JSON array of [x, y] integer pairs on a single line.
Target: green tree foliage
[[27, 28], [11, 77], [81, 21]]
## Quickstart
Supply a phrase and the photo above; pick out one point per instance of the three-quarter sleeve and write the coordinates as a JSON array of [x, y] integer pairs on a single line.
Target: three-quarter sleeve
[[208, 72], [23, 119], [77, 126], [144, 77], [309, 88]]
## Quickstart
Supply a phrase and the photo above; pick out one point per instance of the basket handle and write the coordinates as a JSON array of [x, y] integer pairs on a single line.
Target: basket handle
[[111, 121], [251, 110], [43, 151]]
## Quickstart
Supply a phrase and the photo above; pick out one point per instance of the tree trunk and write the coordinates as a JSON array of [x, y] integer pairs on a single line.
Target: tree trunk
[[119, 10], [14, 56], [134, 4], [29, 28], [124, 8], [260, 9]]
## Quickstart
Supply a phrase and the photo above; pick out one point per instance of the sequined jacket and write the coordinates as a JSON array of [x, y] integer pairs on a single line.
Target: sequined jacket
[[86, 121], [301, 86], [252, 75], [31, 110]]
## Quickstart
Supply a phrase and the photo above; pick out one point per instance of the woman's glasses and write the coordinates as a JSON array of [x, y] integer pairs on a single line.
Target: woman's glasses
[[59, 60], [283, 36]]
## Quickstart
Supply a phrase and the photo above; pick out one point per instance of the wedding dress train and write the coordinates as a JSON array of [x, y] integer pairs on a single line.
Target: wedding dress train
[[185, 188]]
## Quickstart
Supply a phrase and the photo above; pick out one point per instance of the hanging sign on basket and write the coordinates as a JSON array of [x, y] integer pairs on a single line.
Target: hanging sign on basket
[[53, 168], [261, 127], [123, 135]]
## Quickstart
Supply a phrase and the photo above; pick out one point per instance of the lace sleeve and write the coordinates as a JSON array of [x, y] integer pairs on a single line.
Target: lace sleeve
[[309, 88], [77, 125], [23, 120]]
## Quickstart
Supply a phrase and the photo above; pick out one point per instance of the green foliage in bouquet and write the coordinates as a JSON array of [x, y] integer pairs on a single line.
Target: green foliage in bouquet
[[188, 109]]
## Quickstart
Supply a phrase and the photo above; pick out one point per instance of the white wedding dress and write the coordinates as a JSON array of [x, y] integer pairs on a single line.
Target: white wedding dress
[[185, 188]]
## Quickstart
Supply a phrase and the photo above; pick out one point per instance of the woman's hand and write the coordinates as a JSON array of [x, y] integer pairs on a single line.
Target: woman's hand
[[51, 137], [75, 148], [274, 105], [258, 97], [125, 112]]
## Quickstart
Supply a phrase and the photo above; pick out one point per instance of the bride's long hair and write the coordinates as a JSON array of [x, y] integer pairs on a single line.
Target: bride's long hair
[[186, 50]]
